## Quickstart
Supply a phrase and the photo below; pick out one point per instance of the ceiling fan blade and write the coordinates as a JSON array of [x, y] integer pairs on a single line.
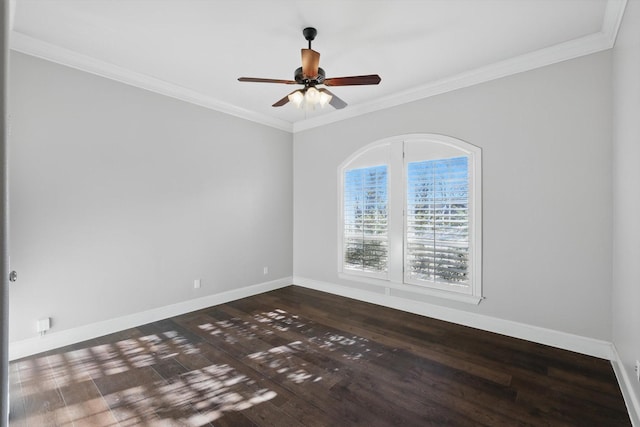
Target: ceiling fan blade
[[371, 79], [284, 100], [281, 102], [335, 102], [259, 80], [310, 62]]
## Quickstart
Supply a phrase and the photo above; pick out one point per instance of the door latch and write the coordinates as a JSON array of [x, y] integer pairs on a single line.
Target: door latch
[[13, 276]]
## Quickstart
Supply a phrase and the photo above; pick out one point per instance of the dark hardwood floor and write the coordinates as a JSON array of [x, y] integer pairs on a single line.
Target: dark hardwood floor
[[299, 357]]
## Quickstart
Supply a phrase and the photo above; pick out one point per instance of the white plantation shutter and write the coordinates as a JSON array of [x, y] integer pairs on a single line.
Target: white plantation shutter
[[365, 216], [411, 216], [437, 221]]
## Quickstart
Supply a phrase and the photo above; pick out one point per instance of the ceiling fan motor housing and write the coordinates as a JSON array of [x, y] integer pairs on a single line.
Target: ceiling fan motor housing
[[300, 77]]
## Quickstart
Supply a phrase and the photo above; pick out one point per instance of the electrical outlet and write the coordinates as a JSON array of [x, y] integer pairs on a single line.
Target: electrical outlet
[[196, 284], [265, 270], [43, 325], [638, 370]]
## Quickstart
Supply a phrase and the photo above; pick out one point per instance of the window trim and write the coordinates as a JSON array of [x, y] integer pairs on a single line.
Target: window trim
[[395, 278]]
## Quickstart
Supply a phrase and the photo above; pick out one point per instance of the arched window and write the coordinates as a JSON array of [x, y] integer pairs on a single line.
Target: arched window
[[410, 215]]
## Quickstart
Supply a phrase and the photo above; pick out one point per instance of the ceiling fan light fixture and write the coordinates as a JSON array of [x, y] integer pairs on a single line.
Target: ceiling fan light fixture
[[325, 98], [312, 97], [296, 98], [309, 98]]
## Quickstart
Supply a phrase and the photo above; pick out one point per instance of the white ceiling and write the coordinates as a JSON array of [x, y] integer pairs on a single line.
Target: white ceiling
[[196, 49]]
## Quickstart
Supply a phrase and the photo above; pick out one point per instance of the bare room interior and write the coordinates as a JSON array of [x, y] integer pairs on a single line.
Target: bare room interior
[[252, 213]]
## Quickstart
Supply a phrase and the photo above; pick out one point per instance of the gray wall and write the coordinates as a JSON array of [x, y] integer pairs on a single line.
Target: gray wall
[[626, 181], [546, 141], [120, 198]]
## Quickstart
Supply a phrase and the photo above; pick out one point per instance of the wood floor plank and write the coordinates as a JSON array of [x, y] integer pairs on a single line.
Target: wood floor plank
[[17, 414], [42, 400], [434, 352], [299, 382], [86, 404], [536, 370], [296, 356], [491, 419]]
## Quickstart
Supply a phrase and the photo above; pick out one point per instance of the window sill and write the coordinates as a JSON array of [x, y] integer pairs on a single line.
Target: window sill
[[390, 287]]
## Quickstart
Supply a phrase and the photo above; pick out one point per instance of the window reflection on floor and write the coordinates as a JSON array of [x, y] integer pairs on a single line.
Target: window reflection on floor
[[165, 373]]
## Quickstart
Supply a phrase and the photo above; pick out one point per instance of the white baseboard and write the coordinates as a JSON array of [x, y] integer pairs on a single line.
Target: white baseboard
[[564, 340], [54, 340], [630, 398]]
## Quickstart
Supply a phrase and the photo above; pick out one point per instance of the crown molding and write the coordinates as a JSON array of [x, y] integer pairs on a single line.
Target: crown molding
[[612, 19], [50, 52], [12, 13], [592, 43]]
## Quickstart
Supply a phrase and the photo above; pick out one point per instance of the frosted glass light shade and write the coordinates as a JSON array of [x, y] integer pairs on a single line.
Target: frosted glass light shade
[[296, 98], [309, 98]]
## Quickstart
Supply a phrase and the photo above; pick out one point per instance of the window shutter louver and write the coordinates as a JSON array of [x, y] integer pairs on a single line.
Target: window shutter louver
[[365, 220], [437, 221]]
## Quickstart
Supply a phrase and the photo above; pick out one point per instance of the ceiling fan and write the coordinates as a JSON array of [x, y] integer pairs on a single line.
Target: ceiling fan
[[311, 75]]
